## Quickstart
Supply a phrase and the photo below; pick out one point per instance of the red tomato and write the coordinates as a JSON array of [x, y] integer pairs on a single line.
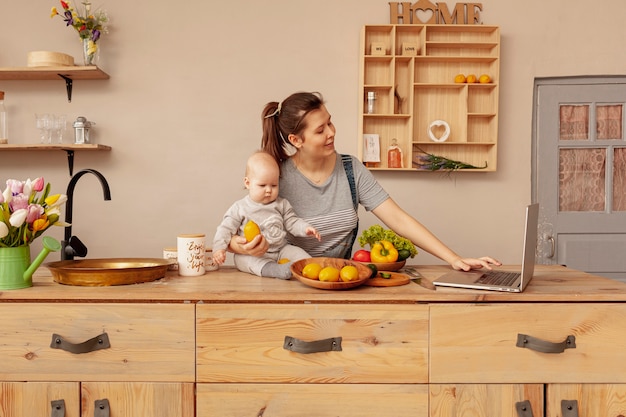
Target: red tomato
[[362, 255]]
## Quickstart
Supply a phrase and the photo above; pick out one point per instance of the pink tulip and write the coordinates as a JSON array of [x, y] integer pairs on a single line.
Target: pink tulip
[[19, 201], [15, 186], [38, 184], [34, 212]]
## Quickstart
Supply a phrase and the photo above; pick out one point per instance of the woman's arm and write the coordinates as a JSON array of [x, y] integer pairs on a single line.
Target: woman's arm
[[398, 220], [256, 247]]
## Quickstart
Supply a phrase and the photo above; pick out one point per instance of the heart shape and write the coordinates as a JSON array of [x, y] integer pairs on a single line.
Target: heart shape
[[425, 15], [436, 128]]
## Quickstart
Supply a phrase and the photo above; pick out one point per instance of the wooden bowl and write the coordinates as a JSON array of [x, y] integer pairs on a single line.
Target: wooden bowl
[[364, 273], [388, 266]]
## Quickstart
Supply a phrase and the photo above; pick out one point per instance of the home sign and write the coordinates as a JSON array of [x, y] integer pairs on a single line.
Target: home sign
[[426, 12]]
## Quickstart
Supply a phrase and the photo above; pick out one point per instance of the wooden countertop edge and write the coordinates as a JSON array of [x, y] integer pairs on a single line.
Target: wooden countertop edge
[[227, 285]]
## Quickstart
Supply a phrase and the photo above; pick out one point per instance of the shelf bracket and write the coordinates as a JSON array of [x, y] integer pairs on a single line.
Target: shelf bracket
[[70, 160], [68, 87]]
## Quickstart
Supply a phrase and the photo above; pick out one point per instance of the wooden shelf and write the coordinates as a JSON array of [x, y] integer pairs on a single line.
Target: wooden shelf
[[53, 73], [414, 90], [68, 148]]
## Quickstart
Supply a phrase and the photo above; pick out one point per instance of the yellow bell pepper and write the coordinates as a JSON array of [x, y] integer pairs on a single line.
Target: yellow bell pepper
[[383, 252]]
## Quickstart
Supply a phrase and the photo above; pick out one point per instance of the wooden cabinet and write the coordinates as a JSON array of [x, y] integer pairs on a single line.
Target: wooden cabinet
[[411, 70], [231, 344], [149, 347]]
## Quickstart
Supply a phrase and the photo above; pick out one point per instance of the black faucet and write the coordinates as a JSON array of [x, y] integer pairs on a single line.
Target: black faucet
[[72, 246]]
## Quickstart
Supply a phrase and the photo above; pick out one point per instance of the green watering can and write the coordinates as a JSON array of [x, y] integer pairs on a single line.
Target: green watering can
[[16, 270]]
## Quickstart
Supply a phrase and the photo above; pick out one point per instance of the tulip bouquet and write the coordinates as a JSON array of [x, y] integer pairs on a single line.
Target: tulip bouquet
[[25, 214]]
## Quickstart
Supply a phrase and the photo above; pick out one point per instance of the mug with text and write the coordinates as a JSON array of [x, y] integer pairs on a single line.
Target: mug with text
[[191, 254]]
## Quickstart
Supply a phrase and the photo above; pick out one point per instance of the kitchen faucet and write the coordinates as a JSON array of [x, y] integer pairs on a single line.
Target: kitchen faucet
[[72, 246]]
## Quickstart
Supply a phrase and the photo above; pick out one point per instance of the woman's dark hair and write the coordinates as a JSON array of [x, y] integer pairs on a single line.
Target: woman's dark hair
[[282, 119]]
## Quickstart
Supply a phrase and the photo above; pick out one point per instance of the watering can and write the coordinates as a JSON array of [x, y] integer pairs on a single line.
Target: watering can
[[16, 270]]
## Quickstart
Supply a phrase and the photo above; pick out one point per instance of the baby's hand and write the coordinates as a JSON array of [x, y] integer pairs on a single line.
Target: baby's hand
[[219, 256], [310, 231]]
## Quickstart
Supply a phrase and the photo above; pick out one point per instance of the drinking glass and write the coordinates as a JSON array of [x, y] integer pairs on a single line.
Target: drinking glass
[[43, 124], [59, 124]]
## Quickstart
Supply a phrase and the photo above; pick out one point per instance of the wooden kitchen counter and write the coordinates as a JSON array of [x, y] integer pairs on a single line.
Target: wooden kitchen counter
[[550, 284]]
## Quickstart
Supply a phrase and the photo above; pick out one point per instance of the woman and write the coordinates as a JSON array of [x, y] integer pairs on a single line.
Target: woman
[[325, 188]]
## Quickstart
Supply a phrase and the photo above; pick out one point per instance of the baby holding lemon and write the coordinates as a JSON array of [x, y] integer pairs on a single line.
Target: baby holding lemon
[[262, 211]]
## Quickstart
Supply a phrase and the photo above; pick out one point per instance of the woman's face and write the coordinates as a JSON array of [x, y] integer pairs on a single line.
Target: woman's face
[[318, 138]]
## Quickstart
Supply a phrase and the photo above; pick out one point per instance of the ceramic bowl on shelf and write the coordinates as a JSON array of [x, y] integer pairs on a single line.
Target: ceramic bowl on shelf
[[387, 266], [364, 273]]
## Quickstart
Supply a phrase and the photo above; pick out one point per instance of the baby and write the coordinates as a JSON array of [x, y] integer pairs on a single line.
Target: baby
[[275, 218]]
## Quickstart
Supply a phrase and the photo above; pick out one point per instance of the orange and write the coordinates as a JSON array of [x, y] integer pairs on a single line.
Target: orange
[[484, 79], [460, 78], [283, 261], [349, 273], [329, 274], [311, 271], [471, 79], [251, 230]]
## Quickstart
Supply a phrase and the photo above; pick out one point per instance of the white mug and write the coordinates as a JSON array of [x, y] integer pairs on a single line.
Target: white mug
[[191, 255]]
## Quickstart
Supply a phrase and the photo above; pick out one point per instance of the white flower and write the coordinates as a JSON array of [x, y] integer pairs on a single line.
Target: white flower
[[18, 217], [4, 230]]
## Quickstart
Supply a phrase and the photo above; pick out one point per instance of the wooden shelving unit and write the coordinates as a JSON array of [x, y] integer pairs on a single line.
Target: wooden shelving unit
[[412, 91]]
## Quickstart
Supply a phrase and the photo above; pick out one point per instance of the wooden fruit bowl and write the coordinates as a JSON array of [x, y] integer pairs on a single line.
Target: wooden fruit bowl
[[364, 273], [388, 266]]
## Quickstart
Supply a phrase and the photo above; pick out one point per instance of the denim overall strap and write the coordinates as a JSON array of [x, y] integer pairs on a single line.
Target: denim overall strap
[[347, 166]]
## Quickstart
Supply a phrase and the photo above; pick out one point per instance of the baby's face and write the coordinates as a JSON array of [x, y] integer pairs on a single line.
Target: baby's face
[[262, 183]]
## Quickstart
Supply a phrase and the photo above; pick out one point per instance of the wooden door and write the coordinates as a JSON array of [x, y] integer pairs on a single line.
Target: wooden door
[[139, 399], [579, 173], [585, 400], [478, 400], [20, 399]]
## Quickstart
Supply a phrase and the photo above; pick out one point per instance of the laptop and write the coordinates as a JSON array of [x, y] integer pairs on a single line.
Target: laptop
[[501, 280]]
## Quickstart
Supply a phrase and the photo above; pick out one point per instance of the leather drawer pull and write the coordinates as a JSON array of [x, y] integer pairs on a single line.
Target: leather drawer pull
[[300, 346], [524, 409], [529, 342], [569, 408], [101, 408], [93, 344], [58, 408]]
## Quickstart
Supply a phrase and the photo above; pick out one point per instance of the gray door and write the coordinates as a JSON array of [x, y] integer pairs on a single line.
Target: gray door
[[579, 173]]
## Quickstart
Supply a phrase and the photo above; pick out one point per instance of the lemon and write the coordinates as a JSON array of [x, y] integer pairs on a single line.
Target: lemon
[[329, 274], [251, 230], [471, 79], [349, 273], [484, 79], [460, 78], [283, 261], [312, 270]]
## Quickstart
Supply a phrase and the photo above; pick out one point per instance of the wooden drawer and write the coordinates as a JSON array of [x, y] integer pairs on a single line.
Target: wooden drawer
[[148, 342], [379, 343], [477, 343], [319, 400]]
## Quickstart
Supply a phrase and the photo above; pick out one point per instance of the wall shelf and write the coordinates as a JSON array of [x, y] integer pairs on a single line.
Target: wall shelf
[[68, 148], [66, 73], [415, 90]]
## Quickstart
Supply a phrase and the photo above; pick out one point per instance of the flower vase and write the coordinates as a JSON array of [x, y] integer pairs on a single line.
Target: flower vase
[[13, 265], [90, 52]]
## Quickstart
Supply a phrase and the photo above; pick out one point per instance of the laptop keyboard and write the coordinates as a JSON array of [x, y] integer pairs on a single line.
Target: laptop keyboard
[[498, 278]]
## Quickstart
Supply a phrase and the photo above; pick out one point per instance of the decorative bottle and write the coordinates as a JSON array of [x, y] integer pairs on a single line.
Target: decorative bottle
[[394, 155], [4, 131]]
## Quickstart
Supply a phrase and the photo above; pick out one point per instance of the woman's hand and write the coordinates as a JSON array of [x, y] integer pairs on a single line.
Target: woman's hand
[[256, 247], [465, 264]]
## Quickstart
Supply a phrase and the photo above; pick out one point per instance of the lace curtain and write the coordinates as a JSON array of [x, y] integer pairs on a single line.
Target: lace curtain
[[582, 169]]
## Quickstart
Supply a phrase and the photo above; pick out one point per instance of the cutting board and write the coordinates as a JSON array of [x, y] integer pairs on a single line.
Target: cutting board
[[395, 280]]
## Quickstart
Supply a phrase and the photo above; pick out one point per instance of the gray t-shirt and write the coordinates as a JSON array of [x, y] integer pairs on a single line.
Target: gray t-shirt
[[328, 207]]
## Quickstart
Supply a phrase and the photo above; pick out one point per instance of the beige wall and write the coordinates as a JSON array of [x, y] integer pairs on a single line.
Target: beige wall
[[189, 79]]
